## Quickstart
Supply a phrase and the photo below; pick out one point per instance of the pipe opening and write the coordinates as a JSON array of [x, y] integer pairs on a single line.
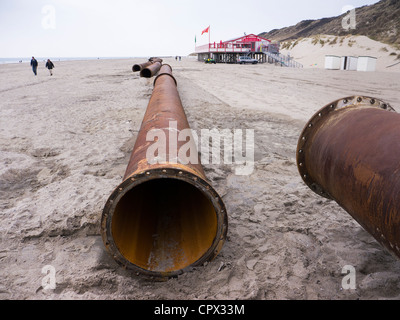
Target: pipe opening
[[146, 73], [136, 68], [164, 225]]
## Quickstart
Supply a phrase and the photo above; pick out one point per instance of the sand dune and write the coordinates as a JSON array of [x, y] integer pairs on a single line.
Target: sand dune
[[311, 51], [65, 142]]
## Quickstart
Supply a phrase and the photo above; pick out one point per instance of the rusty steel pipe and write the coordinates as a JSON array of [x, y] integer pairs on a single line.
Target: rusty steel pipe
[[164, 218], [151, 70], [350, 152], [141, 66], [155, 59]]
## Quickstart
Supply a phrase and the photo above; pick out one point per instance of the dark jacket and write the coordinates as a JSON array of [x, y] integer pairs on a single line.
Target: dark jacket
[[34, 63], [49, 65]]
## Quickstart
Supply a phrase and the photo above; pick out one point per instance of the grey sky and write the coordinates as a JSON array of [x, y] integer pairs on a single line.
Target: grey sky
[[116, 28]]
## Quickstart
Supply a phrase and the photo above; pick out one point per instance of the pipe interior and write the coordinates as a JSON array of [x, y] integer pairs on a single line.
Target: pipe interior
[[146, 73], [164, 225], [136, 68]]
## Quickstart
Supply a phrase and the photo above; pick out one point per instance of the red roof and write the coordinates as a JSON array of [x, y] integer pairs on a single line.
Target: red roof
[[248, 38]]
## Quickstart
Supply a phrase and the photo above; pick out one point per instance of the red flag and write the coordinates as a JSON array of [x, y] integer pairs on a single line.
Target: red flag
[[205, 31]]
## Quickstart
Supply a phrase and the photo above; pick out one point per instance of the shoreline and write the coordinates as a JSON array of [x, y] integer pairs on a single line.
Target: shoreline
[[62, 59]]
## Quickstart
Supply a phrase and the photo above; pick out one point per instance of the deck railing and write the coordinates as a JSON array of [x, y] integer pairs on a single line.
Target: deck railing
[[220, 48], [284, 60]]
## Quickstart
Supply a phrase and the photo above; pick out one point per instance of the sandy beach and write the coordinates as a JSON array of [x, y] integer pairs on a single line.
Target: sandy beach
[[65, 143]]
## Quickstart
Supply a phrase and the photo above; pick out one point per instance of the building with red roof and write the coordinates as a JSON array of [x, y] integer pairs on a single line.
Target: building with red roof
[[229, 51]]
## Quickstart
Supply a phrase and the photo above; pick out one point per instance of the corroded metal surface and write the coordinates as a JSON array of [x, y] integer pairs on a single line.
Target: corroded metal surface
[[141, 66], [164, 218], [349, 152]]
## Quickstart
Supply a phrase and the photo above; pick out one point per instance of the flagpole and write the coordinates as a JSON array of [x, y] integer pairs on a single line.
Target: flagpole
[[209, 42]]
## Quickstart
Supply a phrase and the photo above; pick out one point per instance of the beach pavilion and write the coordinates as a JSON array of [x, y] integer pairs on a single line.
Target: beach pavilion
[[229, 51]]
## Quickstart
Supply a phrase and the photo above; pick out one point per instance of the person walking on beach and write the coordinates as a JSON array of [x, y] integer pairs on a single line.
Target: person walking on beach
[[50, 66], [34, 65]]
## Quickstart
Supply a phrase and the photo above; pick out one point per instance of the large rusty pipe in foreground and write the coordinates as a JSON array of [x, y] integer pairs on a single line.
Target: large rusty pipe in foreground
[[350, 152], [164, 218], [151, 70]]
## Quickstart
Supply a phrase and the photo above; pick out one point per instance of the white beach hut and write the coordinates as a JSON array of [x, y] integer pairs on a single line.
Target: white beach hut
[[349, 63], [332, 62], [367, 64]]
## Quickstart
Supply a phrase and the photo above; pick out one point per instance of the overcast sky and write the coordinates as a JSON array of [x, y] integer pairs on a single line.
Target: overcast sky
[[122, 28]]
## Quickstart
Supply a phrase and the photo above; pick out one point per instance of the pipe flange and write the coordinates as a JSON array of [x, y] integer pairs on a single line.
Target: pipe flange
[[165, 74], [315, 122], [163, 173]]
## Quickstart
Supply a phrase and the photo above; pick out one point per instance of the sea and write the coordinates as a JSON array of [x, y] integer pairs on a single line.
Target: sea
[[54, 59]]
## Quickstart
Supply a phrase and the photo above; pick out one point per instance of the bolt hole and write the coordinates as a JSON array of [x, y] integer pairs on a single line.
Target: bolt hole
[[359, 99], [372, 101]]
